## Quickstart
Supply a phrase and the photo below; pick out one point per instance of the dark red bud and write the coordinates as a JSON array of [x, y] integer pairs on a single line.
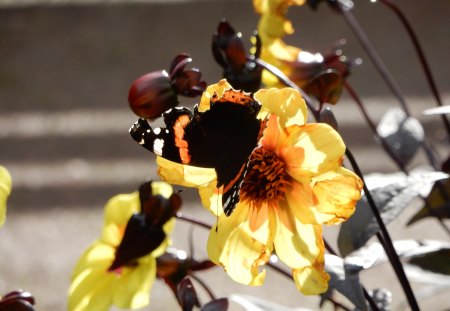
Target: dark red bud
[[152, 94]]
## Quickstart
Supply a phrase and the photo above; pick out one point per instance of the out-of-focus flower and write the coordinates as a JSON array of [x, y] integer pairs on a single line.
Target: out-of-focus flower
[[155, 92], [120, 267], [240, 70], [316, 73], [5, 190], [17, 301], [294, 183]]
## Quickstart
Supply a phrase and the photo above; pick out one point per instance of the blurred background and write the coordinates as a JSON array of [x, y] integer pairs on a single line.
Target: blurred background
[[65, 71]]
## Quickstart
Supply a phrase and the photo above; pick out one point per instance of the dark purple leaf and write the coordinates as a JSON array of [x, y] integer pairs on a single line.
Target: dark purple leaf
[[220, 304]]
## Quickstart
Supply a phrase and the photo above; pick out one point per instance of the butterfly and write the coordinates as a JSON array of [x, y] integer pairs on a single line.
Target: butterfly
[[222, 138]]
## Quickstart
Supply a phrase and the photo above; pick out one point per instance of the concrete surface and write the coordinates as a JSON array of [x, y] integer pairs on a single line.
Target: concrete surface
[[64, 76]]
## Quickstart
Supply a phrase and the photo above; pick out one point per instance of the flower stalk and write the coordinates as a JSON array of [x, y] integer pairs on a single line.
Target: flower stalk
[[422, 58]]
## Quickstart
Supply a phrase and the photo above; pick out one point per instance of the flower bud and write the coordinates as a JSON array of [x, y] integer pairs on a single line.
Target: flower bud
[[152, 94]]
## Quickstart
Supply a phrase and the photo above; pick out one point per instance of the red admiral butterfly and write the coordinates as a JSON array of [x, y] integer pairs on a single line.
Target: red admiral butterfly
[[222, 138]]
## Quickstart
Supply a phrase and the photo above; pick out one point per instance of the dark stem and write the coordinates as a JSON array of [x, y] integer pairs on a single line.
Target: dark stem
[[204, 285], [373, 55], [389, 151], [372, 126], [422, 58], [385, 239]]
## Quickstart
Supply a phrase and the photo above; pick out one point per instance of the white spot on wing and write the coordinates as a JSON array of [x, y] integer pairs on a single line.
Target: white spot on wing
[[157, 130], [158, 145]]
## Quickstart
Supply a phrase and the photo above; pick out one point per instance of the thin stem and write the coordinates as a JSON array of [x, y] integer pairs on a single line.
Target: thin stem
[[385, 239], [204, 285], [373, 55], [390, 152], [372, 126], [379, 65], [422, 58]]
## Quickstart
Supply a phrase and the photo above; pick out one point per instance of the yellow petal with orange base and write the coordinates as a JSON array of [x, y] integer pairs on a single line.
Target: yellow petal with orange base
[[323, 150]]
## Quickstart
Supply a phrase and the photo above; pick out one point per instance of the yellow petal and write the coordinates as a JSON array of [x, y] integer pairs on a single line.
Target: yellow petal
[[94, 288], [211, 199], [5, 190], [185, 175], [272, 27], [161, 188], [311, 280], [337, 193], [286, 103], [298, 245], [323, 150], [118, 211], [90, 288], [218, 88], [132, 290], [240, 250]]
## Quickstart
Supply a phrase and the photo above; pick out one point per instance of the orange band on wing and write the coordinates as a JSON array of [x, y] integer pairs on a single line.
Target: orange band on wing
[[178, 129]]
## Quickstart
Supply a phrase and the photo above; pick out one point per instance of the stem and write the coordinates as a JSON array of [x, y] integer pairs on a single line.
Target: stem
[[422, 58], [204, 285], [372, 126], [385, 239], [373, 55], [389, 151]]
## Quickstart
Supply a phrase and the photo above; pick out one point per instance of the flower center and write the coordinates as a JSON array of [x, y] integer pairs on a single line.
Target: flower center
[[266, 179]]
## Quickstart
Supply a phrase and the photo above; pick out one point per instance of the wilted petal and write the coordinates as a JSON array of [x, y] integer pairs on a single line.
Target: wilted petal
[[286, 103], [336, 193], [218, 89], [5, 190], [240, 250]]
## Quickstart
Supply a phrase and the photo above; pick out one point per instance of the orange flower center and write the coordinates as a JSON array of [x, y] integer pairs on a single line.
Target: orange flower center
[[266, 179]]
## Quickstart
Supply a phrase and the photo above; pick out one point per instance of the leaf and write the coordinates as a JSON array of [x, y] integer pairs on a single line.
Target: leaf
[[395, 194], [438, 203], [250, 303], [437, 261], [402, 133], [187, 296], [345, 279]]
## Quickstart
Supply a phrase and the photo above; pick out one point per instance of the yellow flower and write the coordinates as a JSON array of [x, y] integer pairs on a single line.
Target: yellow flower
[[93, 286], [295, 182], [5, 190]]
